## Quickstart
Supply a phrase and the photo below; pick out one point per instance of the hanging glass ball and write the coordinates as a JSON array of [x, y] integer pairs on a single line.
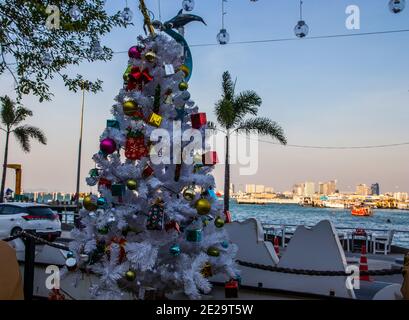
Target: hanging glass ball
[[175, 250], [90, 203], [101, 201], [396, 6], [75, 13], [223, 36], [189, 194], [130, 275], [183, 86], [219, 222], [188, 5], [127, 15], [47, 59], [213, 252], [203, 206], [225, 244], [301, 29], [132, 184]]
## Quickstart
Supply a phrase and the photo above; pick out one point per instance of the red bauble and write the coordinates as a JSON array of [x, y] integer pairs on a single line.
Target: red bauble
[[134, 52]]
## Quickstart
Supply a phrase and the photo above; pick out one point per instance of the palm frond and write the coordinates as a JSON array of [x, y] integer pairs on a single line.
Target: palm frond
[[24, 133], [224, 111], [263, 126], [7, 111], [246, 103], [228, 86], [21, 114]]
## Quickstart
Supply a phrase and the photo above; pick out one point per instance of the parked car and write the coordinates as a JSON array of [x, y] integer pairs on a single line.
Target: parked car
[[18, 216]]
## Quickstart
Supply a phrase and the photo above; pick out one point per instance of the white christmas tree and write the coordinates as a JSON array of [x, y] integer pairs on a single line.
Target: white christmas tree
[[156, 222]]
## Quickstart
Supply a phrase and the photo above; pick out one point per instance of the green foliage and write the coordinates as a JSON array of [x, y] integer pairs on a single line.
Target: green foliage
[[25, 38]]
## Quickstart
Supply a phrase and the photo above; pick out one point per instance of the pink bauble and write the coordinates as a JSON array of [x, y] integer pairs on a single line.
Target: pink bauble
[[134, 53], [107, 146]]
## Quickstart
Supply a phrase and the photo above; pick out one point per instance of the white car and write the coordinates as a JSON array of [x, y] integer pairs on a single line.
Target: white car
[[17, 216]]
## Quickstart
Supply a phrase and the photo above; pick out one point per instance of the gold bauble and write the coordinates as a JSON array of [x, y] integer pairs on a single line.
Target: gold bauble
[[130, 275], [150, 56], [183, 86], [130, 107], [213, 251], [189, 194], [90, 203], [132, 184], [185, 70], [203, 206], [219, 222]]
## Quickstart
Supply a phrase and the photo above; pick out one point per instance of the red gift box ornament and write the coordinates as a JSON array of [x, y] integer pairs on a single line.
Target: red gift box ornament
[[137, 78], [135, 147], [231, 289], [210, 158], [198, 120], [104, 182]]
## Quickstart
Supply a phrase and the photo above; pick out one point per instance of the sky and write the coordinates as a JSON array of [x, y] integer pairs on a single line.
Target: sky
[[334, 92]]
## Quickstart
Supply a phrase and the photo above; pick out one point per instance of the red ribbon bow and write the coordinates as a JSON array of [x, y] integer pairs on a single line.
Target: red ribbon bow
[[138, 77]]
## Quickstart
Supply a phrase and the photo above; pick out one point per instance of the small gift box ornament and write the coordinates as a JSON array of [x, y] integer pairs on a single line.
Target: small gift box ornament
[[118, 190], [156, 217], [113, 124], [210, 158], [147, 172], [231, 289], [172, 225], [198, 120], [207, 271], [155, 120], [135, 147], [104, 183]]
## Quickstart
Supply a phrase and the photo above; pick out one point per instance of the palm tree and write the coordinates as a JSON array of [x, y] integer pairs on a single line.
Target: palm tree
[[11, 117], [231, 112]]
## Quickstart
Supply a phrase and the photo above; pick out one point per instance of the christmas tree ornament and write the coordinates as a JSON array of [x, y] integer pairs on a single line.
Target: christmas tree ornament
[[93, 173], [71, 264], [108, 146], [219, 222], [194, 235], [147, 172], [118, 190], [203, 206], [228, 218], [101, 202], [169, 69], [231, 289], [156, 217], [70, 254], [134, 52], [210, 158], [131, 184], [135, 147], [175, 250], [198, 120], [189, 194], [188, 5], [301, 28], [75, 13], [127, 15], [137, 78], [155, 120], [207, 270], [102, 182], [225, 244], [47, 59], [150, 56], [183, 86], [55, 295], [396, 6], [90, 203], [130, 275], [126, 73], [213, 252], [172, 225], [212, 193], [223, 37], [205, 222], [113, 124], [130, 107]]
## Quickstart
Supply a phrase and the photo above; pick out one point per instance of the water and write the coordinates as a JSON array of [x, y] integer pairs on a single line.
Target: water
[[297, 215]]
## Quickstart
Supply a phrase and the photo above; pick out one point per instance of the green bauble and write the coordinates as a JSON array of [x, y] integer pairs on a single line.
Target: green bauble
[[90, 203], [213, 251], [189, 194], [203, 206], [130, 275], [132, 184], [219, 222], [104, 230], [183, 86]]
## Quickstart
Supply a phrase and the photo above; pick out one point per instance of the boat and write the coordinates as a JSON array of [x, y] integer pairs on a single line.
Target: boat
[[333, 205], [362, 211]]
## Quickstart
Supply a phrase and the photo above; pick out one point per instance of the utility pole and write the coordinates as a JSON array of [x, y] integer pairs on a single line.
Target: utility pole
[[77, 192]]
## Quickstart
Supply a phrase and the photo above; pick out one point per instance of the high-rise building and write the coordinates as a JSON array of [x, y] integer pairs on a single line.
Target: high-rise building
[[375, 190], [332, 186], [232, 188], [268, 190], [309, 189], [250, 188], [298, 189], [362, 189], [401, 196], [259, 188]]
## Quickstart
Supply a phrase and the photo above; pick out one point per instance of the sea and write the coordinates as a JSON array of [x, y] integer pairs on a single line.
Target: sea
[[288, 214]]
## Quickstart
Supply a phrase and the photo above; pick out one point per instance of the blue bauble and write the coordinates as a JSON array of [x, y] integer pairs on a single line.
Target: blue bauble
[[225, 244], [175, 250], [101, 201]]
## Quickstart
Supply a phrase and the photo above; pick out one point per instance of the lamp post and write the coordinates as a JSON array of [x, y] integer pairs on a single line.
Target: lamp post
[[77, 192]]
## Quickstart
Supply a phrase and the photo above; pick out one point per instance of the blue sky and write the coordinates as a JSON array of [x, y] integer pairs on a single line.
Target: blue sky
[[342, 92]]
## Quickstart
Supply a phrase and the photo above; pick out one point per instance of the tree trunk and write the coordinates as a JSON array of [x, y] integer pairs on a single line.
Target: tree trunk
[[227, 174], [3, 178]]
